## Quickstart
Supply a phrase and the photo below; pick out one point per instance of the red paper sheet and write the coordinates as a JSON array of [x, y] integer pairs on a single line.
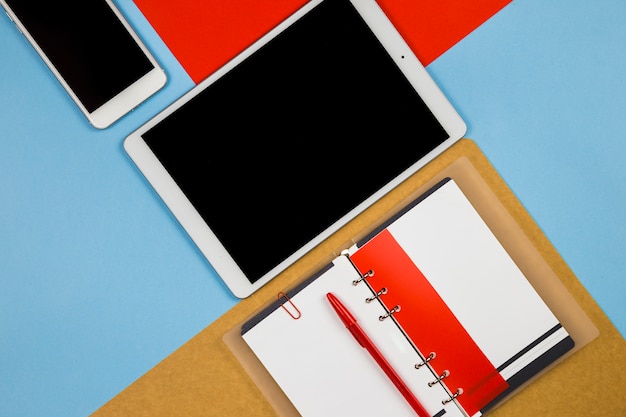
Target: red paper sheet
[[205, 34], [431, 27]]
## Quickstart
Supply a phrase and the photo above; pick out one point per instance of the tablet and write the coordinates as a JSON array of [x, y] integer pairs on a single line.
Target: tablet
[[293, 138]]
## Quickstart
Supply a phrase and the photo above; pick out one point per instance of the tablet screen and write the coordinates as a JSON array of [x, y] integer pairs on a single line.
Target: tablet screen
[[296, 136]]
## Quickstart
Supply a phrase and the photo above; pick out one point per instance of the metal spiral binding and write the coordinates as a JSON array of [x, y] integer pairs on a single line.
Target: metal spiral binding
[[458, 392], [368, 274], [378, 294], [427, 359], [445, 374], [392, 311]]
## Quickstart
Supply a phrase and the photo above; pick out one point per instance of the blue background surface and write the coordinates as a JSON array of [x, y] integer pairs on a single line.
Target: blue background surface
[[98, 282]]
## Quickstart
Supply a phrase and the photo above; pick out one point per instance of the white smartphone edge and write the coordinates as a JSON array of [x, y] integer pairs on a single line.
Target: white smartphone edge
[[125, 101]]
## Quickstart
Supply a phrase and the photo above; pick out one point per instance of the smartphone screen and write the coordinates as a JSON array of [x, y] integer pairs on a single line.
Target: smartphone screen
[[94, 54]]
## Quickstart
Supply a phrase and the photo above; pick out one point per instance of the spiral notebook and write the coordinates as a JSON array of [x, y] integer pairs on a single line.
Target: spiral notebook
[[440, 298]]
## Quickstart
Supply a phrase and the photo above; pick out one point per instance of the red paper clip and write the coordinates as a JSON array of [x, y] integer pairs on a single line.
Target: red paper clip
[[297, 314]]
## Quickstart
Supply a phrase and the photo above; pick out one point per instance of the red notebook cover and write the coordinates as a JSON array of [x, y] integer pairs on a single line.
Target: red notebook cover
[[204, 35], [430, 324]]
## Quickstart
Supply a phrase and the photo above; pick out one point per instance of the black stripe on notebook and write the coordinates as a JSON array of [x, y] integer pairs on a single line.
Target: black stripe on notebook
[[529, 347], [535, 366]]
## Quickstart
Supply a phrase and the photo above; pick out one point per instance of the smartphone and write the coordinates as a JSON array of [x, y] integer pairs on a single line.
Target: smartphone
[[94, 53]]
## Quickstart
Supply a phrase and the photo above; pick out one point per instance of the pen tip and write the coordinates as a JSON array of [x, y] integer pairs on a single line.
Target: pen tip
[[347, 318]]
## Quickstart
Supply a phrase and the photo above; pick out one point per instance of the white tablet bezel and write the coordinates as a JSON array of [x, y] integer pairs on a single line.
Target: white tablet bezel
[[189, 217]]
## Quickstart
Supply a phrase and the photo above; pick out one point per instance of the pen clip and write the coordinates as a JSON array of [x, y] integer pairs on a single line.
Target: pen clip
[[295, 314]]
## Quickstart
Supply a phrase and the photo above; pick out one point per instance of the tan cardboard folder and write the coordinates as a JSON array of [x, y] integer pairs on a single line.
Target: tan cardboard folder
[[214, 374]]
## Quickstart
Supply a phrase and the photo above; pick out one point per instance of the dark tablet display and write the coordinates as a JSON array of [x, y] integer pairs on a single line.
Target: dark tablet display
[[295, 137]]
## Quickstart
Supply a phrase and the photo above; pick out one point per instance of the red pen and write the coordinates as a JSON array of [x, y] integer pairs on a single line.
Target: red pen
[[350, 322]]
